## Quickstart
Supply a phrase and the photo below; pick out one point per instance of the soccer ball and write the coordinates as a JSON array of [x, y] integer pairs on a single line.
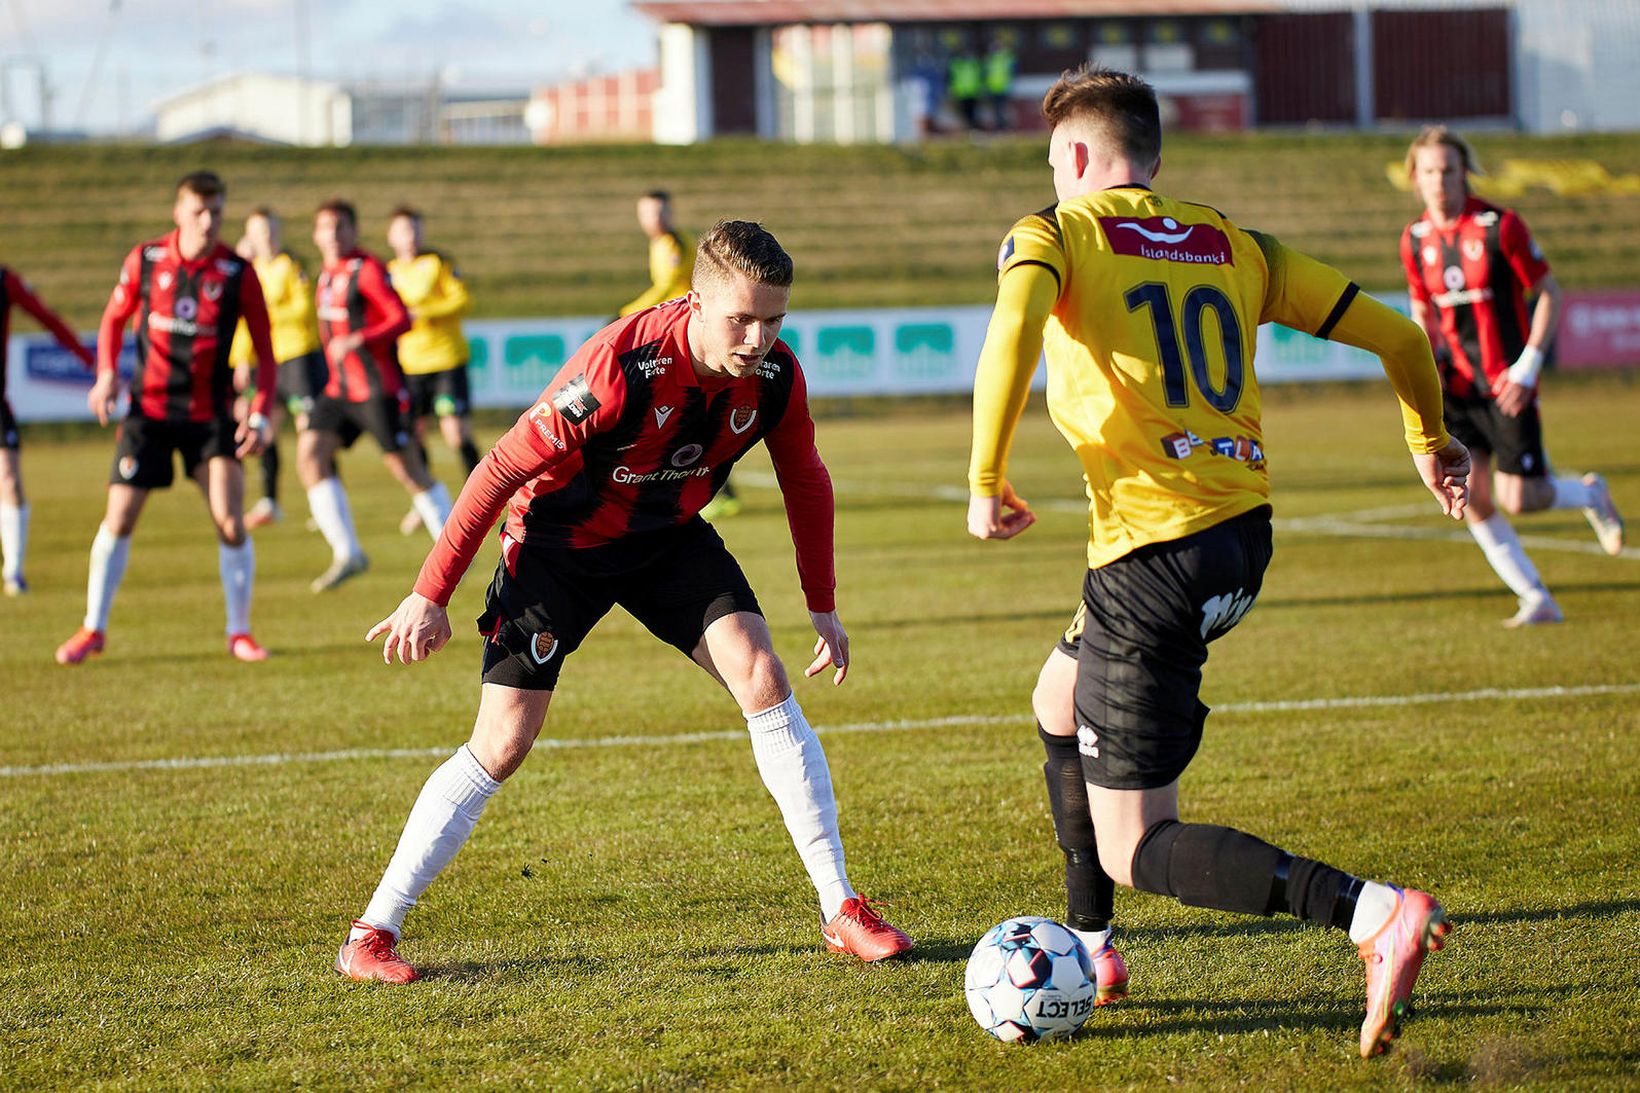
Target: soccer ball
[[1030, 979]]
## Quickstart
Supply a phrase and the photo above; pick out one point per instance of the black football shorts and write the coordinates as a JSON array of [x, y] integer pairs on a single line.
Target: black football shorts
[[1516, 443], [144, 454], [1148, 619], [676, 581]]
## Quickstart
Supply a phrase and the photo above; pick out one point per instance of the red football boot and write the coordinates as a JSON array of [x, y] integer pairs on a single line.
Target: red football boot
[[860, 931], [84, 643], [243, 647], [372, 956]]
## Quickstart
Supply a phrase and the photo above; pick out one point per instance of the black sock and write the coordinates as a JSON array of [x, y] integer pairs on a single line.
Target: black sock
[[1204, 865], [1090, 895], [421, 450], [469, 455], [270, 472]]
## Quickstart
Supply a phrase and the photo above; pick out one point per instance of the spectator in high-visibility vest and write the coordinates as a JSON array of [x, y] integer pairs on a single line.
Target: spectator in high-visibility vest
[[999, 83], [966, 84]]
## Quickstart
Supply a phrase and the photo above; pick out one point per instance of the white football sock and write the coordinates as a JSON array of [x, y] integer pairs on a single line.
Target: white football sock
[[109, 555], [13, 538], [1571, 493], [1094, 940], [443, 817], [433, 504], [1507, 557], [328, 502], [1373, 907], [793, 767], [237, 565]]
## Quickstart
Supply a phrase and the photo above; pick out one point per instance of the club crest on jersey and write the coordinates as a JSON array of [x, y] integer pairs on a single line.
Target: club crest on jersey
[[1164, 239], [741, 418], [1432, 257], [1474, 249], [213, 291], [575, 400], [661, 414], [165, 279], [687, 455], [543, 646], [128, 467]]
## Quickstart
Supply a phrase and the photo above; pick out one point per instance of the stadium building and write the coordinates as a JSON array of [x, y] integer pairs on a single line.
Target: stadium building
[[864, 71]]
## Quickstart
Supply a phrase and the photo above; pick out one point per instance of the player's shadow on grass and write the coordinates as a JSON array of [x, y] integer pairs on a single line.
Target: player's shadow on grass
[[1279, 1014], [1595, 909], [1562, 589]]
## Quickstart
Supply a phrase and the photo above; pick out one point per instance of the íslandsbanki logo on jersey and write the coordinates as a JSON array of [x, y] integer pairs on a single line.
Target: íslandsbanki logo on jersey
[[1164, 239]]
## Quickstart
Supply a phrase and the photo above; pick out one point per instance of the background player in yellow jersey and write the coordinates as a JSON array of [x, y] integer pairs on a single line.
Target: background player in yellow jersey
[[1148, 308], [671, 265], [433, 352], [302, 370]]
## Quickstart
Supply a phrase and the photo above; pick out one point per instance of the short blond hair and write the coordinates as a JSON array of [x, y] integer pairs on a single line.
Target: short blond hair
[[745, 247], [1440, 136]]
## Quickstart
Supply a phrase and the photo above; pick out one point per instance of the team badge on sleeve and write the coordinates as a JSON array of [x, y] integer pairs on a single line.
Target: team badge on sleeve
[[1005, 252], [575, 400]]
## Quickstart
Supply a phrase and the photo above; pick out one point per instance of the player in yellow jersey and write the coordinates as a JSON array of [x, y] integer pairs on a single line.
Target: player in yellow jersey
[[302, 370], [671, 264], [433, 353], [1148, 309], [671, 253]]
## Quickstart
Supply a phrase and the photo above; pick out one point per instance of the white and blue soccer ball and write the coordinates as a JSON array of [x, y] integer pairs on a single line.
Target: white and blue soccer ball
[[1030, 979]]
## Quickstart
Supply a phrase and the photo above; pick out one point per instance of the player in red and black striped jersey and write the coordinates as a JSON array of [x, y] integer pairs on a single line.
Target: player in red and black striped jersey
[[360, 319], [1470, 266], [187, 292], [603, 481], [13, 503]]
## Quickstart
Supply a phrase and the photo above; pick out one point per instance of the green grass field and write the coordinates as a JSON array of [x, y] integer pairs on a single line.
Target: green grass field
[[630, 914], [550, 231]]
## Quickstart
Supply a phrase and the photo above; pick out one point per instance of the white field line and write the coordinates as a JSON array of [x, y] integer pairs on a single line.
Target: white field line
[[1346, 525], [1487, 694]]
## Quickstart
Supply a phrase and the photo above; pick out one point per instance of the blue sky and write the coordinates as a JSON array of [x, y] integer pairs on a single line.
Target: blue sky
[[108, 60]]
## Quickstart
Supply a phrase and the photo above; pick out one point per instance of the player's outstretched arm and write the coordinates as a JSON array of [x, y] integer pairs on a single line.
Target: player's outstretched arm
[[1446, 473], [415, 630], [830, 648], [1002, 383]]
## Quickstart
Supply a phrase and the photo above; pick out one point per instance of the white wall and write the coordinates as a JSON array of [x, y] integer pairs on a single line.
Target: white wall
[[277, 108], [1577, 64], [683, 105]]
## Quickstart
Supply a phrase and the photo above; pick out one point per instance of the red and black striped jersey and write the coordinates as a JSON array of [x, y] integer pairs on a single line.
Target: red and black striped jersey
[[15, 291], [188, 310], [628, 438], [355, 296], [1476, 275]]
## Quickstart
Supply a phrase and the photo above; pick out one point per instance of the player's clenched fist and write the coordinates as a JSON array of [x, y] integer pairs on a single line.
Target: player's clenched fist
[[415, 630]]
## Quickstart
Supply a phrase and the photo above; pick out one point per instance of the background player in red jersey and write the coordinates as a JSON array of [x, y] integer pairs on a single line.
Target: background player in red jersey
[[1469, 267], [360, 317], [13, 503], [187, 291], [604, 480]]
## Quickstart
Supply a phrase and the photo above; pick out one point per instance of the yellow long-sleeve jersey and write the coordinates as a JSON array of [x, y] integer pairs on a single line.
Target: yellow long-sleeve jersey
[[1148, 308], [290, 311], [433, 290], [671, 265]]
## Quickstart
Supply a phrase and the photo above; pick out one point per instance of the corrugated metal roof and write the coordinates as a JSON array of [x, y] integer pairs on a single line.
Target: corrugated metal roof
[[778, 12]]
